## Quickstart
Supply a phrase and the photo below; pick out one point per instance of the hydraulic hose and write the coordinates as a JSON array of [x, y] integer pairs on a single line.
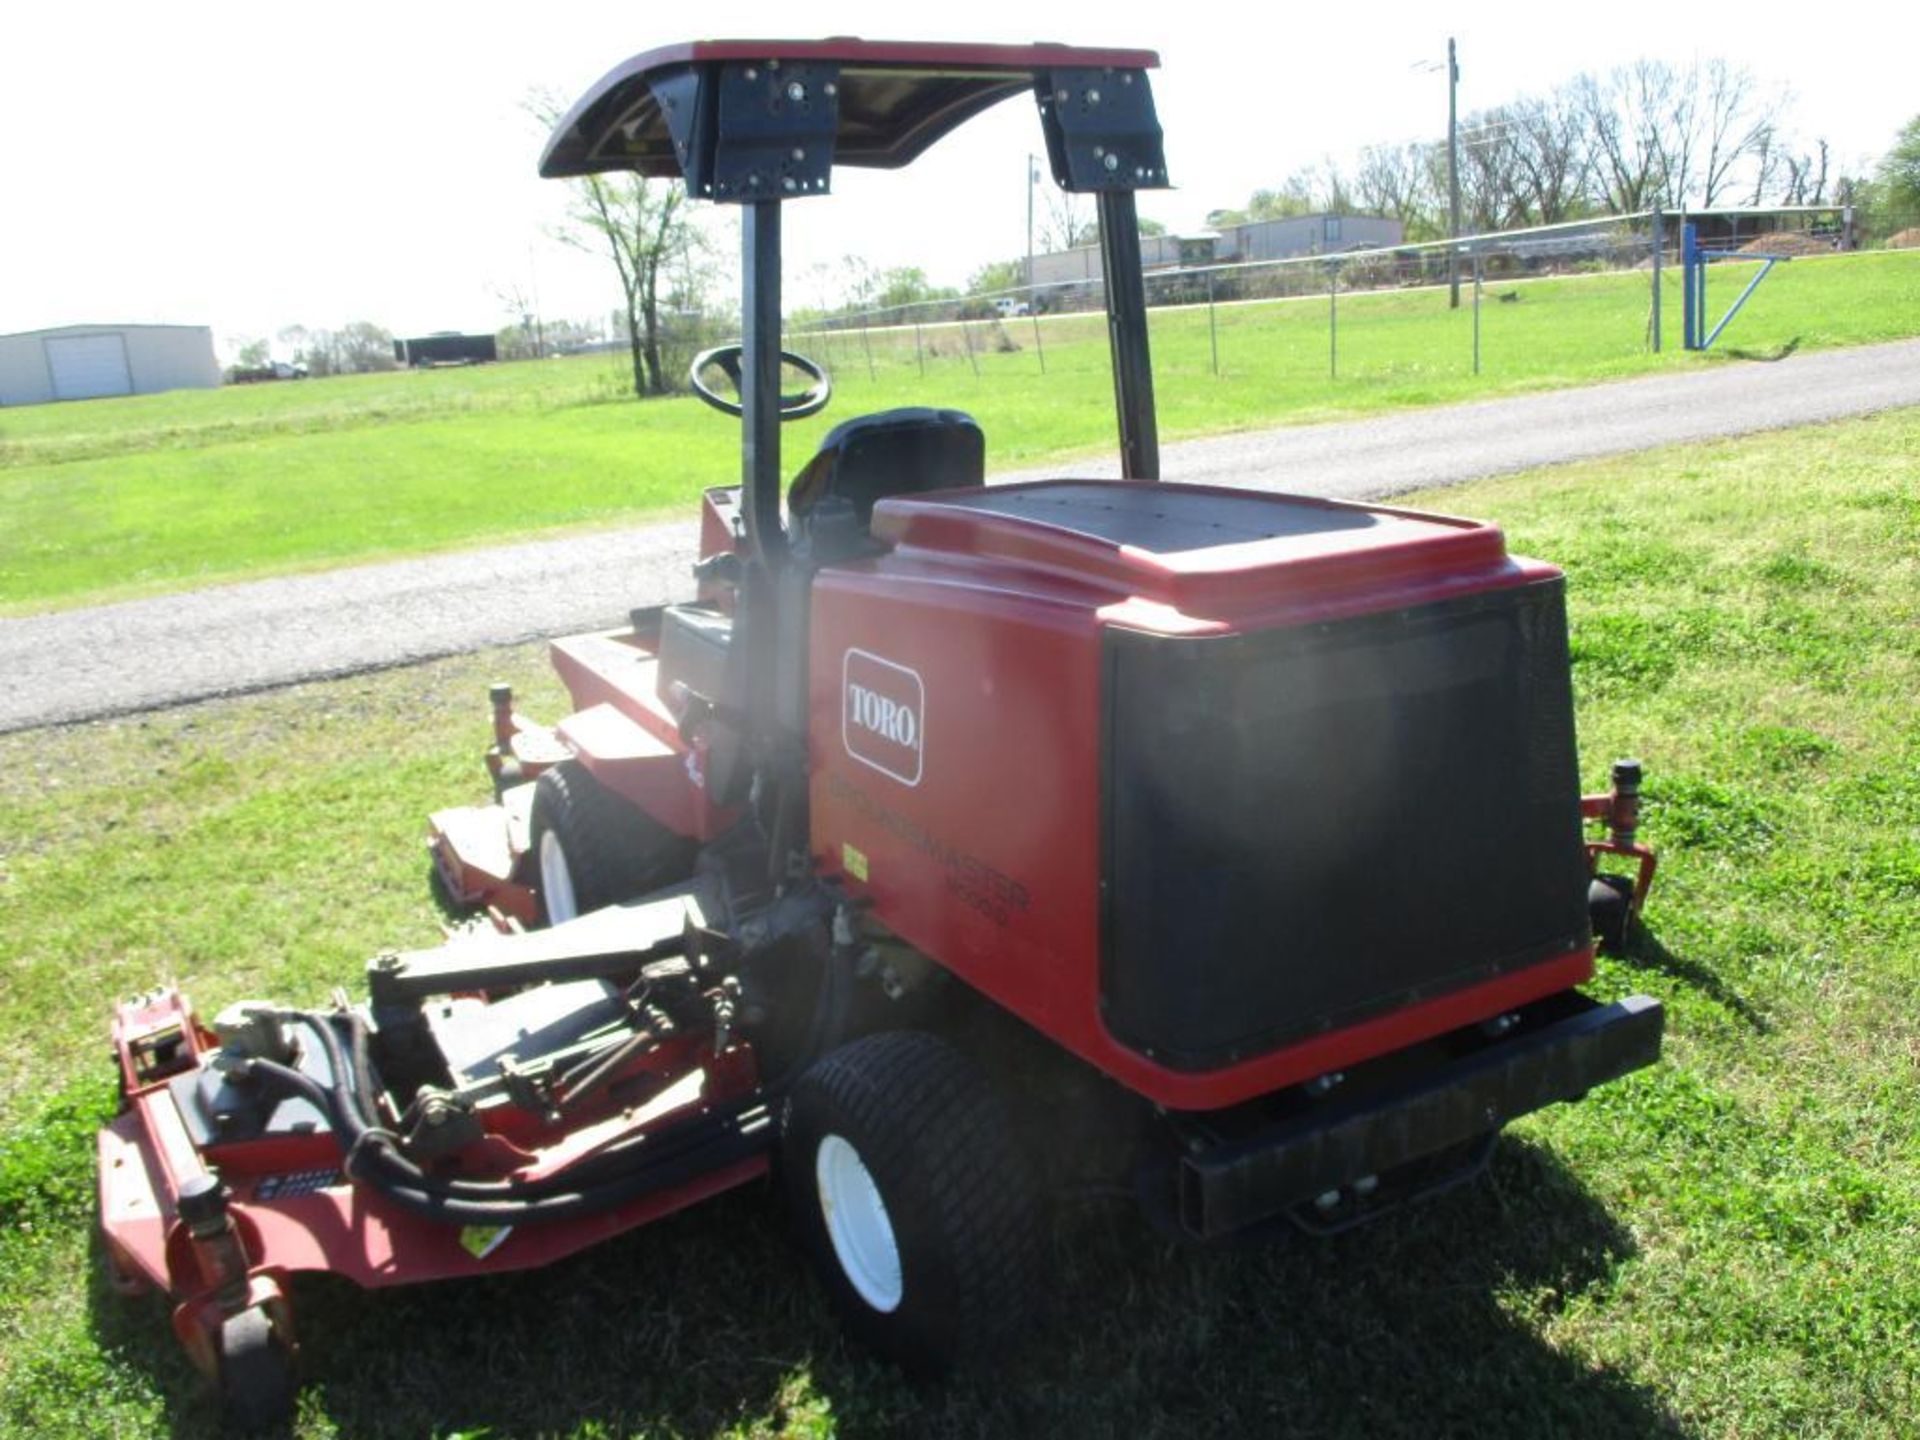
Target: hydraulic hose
[[702, 1145], [362, 1063], [373, 1151], [607, 1179], [600, 1182]]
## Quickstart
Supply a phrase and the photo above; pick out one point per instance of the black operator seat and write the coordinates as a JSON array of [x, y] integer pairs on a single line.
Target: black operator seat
[[863, 460], [892, 452]]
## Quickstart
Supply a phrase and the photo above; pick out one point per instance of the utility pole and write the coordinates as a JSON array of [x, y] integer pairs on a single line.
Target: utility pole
[[1033, 177], [1453, 176]]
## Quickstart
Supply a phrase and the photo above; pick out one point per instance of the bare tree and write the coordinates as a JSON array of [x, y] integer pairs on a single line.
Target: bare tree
[[1806, 177], [1061, 224], [1331, 189], [1714, 124], [641, 224], [318, 350], [1622, 111], [1395, 181], [1765, 163], [1671, 98], [528, 336], [1551, 164], [1642, 134], [1738, 122], [1491, 190]]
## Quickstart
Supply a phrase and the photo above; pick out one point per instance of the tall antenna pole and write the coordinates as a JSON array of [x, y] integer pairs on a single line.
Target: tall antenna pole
[[1453, 176]]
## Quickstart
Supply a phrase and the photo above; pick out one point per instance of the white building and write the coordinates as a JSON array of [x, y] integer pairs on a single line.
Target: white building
[[80, 362]]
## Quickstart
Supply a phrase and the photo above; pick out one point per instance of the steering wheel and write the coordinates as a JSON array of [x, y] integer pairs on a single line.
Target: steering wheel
[[726, 359]]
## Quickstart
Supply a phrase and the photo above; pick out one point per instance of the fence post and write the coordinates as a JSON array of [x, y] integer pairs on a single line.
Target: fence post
[[866, 343], [1476, 312], [1659, 244], [966, 338], [919, 355], [1333, 319], [1692, 273], [1213, 329], [1039, 348]]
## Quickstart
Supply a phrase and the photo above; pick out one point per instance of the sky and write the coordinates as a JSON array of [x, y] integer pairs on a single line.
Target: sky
[[249, 167]]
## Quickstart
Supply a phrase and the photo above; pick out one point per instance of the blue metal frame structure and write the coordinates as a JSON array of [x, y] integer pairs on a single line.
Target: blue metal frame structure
[[1693, 286]]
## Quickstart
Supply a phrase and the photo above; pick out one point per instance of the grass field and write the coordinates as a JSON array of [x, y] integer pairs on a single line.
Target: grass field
[[1725, 1246], [123, 497]]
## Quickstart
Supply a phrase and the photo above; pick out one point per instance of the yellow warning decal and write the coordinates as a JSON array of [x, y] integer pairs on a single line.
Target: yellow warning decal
[[480, 1241], [855, 862]]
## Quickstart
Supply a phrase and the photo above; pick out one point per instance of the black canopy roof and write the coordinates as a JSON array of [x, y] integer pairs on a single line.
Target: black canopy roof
[[882, 103]]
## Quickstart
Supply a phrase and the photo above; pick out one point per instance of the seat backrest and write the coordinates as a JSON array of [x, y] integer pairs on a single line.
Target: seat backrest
[[893, 452]]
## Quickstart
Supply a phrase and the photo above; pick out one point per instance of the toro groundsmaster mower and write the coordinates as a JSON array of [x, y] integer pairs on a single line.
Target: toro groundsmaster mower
[[1243, 829]]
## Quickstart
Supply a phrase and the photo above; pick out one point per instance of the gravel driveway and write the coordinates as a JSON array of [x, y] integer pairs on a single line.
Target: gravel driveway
[[114, 659]]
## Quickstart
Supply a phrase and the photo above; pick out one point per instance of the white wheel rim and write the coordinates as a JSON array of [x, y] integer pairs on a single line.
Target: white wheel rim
[[858, 1225], [556, 881]]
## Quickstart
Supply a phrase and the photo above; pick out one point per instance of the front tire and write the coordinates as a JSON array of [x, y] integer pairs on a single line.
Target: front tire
[[1610, 911], [588, 847], [256, 1374], [913, 1198]]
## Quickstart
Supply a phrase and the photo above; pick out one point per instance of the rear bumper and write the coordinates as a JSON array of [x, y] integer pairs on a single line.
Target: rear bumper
[[1253, 1176]]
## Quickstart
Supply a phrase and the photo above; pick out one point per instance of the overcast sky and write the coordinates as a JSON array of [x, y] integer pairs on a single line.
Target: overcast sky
[[251, 166]]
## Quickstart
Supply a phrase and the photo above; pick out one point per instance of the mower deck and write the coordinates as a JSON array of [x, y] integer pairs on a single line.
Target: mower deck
[[637, 750], [299, 1211]]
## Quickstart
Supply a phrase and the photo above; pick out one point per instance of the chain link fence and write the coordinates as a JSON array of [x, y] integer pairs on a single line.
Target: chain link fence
[[1286, 316]]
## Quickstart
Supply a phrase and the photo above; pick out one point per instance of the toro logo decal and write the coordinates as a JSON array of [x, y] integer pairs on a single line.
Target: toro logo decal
[[883, 716]]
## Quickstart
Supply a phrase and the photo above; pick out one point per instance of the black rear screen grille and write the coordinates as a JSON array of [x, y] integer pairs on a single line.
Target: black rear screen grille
[[1309, 826]]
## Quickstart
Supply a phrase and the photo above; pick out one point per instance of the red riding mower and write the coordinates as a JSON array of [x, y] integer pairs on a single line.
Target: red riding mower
[[1140, 780]]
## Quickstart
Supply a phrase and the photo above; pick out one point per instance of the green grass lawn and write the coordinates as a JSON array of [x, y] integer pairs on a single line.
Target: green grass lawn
[[112, 498], [1725, 1246]]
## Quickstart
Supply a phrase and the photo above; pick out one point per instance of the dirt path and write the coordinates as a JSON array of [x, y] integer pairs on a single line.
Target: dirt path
[[142, 654]]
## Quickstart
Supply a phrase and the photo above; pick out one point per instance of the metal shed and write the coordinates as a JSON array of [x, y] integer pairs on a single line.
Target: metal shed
[[1325, 234], [83, 362]]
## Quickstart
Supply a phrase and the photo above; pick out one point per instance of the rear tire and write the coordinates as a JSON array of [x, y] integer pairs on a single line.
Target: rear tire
[[588, 847], [913, 1198]]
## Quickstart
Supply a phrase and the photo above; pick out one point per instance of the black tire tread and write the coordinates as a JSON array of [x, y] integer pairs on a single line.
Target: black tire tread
[[257, 1379], [1610, 912], [929, 1120], [615, 850]]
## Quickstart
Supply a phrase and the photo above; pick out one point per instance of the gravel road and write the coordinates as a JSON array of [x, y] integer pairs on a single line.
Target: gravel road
[[114, 659]]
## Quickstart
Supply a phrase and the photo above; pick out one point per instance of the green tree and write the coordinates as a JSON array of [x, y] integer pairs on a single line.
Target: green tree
[[908, 285], [1899, 174], [363, 346], [1294, 197], [997, 275]]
